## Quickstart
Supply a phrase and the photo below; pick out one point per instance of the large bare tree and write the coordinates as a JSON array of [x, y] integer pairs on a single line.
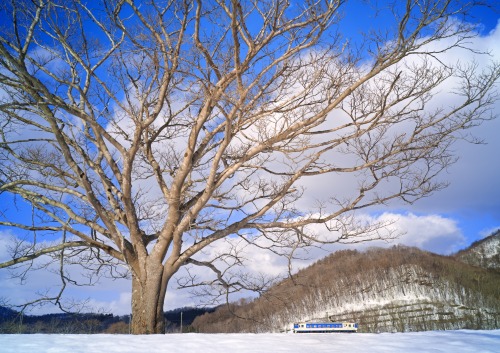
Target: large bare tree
[[141, 132]]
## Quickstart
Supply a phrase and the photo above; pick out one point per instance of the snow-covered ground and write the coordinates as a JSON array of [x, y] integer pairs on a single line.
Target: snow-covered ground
[[416, 342]]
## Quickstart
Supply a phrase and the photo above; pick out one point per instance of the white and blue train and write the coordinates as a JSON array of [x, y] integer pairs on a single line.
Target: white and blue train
[[323, 327]]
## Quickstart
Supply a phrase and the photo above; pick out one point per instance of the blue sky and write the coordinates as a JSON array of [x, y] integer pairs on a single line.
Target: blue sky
[[468, 210], [472, 199]]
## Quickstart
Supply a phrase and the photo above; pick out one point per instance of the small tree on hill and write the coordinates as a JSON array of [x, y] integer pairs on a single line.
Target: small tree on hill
[[141, 133]]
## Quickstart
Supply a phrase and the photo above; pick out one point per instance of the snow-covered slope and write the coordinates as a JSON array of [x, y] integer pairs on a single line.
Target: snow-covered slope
[[405, 298], [384, 290], [484, 253]]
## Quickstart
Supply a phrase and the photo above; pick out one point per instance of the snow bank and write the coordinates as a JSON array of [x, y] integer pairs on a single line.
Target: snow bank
[[416, 342]]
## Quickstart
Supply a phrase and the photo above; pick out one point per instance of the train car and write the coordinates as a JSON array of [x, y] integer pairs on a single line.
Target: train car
[[324, 327]]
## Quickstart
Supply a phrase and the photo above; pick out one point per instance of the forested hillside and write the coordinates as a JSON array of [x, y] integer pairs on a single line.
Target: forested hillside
[[12, 321], [397, 289], [483, 253]]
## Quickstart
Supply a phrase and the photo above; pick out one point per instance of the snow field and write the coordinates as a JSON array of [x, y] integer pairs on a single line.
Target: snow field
[[462, 341]]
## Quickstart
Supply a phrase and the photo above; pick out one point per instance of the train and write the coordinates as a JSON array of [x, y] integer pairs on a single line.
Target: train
[[324, 327]]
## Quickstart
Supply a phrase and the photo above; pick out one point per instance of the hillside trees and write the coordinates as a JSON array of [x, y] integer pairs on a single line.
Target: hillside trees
[[143, 133], [383, 290]]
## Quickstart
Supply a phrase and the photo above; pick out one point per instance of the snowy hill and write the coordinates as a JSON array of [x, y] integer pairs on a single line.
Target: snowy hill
[[484, 253], [384, 290]]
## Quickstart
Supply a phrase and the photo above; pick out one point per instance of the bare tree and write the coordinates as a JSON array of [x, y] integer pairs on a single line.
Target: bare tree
[[143, 132]]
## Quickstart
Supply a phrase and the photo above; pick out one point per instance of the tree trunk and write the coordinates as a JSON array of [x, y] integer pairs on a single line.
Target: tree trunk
[[148, 296]]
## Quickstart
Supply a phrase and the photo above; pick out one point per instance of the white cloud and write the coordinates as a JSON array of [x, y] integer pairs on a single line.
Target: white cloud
[[431, 232], [428, 232], [119, 306]]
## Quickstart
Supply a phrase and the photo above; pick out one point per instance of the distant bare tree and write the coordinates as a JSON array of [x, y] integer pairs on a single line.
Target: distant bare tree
[[143, 132]]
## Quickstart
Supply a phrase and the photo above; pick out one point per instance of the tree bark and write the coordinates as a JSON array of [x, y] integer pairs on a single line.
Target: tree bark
[[148, 294]]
